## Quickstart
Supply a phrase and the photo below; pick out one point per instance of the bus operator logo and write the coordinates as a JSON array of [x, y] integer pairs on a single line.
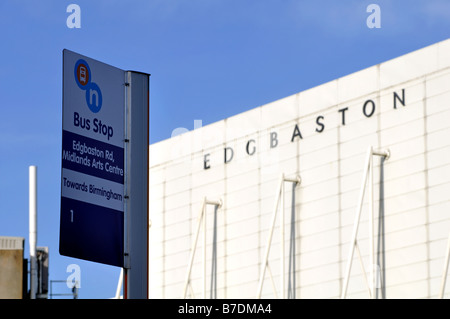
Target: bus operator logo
[[83, 78]]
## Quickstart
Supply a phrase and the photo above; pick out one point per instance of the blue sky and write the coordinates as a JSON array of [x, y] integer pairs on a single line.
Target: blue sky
[[209, 60]]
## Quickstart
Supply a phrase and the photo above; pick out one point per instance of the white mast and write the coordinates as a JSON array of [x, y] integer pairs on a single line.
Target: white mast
[[33, 229]]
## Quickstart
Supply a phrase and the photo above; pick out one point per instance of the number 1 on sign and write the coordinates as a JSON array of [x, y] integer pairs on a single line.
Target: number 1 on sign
[[71, 216]]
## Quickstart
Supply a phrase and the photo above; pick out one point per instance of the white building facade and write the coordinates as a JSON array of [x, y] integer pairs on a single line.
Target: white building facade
[[319, 140]]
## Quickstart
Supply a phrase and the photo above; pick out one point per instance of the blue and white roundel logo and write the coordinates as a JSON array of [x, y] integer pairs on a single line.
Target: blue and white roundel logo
[[83, 78]]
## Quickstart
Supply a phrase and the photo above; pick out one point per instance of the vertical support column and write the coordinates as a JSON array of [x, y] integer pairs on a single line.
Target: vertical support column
[[119, 285], [371, 232], [445, 272], [367, 175], [194, 246], [356, 223], [136, 185], [32, 170], [278, 197], [200, 224], [269, 239], [282, 274], [204, 250]]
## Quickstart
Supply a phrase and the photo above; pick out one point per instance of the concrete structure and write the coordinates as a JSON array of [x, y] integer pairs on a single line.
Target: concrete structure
[[42, 262], [12, 275], [321, 135]]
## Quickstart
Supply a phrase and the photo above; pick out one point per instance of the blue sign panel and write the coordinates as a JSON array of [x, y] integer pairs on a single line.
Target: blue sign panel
[[91, 236], [86, 155], [92, 174]]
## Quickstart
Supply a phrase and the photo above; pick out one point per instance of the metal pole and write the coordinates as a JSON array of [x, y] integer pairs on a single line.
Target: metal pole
[[280, 192], [126, 248], [137, 180], [386, 153], [201, 221], [269, 240], [33, 229], [191, 258], [119, 285], [444, 274], [282, 295], [204, 251], [371, 239], [363, 270], [356, 223], [374, 268], [271, 280], [368, 172]]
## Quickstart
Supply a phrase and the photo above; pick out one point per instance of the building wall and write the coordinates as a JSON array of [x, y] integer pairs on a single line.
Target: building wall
[[11, 267], [306, 134]]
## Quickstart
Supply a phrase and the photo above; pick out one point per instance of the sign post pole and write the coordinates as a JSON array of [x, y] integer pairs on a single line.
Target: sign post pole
[[136, 185]]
